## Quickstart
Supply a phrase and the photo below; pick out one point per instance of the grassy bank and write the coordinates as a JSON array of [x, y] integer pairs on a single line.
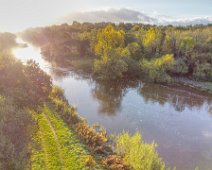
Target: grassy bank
[[56, 146], [95, 138]]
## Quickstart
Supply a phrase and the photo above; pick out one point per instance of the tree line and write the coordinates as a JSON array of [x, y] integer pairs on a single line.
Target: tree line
[[127, 51]]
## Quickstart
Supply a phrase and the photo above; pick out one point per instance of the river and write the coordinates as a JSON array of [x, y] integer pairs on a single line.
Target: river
[[178, 119]]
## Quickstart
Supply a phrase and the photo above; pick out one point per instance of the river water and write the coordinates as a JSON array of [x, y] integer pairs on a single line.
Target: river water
[[178, 119]]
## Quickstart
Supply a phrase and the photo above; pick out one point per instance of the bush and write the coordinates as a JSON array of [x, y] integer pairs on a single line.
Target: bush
[[92, 138], [136, 153], [114, 162], [90, 162], [179, 67], [134, 70], [156, 69], [203, 72], [110, 68]]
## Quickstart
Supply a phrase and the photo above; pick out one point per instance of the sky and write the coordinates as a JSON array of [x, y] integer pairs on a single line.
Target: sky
[[16, 15]]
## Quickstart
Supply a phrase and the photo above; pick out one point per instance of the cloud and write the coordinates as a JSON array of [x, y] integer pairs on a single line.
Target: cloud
[[186, 21], [132, 16], [111, 15]]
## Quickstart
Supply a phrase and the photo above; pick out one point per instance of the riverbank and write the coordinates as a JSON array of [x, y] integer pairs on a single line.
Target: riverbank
[[202, 86], [94, 138], [110, 154], [84, 66]]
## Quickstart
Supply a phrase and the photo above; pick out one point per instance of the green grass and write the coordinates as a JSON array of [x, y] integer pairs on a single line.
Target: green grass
[[56, 147]]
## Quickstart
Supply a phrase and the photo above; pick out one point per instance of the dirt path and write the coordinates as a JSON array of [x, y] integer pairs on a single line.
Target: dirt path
[[56, 139]]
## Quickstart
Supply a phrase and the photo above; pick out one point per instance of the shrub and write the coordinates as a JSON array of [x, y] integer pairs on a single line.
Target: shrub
[[156, 69], [67, 112], [203, 72], [89, 161], [179, 67], [114, 162], [136, 153], [109, 68], [91, 137]]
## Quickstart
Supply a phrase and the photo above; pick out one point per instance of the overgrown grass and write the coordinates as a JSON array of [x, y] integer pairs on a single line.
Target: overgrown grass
[[56, 147]]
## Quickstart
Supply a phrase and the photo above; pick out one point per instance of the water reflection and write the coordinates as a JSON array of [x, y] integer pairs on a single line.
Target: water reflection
[[180, 97], [109, 97], [210, 109], [59, 73]]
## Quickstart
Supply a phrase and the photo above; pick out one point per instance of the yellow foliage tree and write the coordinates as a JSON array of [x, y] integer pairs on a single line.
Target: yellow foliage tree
[[152, 40], [108, 39], [149, 37], [110, 45]]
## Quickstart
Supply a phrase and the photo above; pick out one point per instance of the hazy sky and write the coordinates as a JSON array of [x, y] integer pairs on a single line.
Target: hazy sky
[[16, 15]]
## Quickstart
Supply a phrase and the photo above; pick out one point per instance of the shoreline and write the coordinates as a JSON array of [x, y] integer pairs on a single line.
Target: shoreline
[[202, 86]]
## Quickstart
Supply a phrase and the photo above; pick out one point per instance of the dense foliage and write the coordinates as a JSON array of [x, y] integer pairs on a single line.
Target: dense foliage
[[129, 51], [15, 135], [27, 84], [19, 87]]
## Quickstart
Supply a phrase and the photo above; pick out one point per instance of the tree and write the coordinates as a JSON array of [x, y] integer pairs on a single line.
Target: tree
[[135, 50], [108, 39], [152, 40], [110, 45], [110, 67], [39, 82], [187, 44]]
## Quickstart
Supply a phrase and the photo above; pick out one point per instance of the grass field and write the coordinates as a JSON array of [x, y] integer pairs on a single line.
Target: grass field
[[56, 147]]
